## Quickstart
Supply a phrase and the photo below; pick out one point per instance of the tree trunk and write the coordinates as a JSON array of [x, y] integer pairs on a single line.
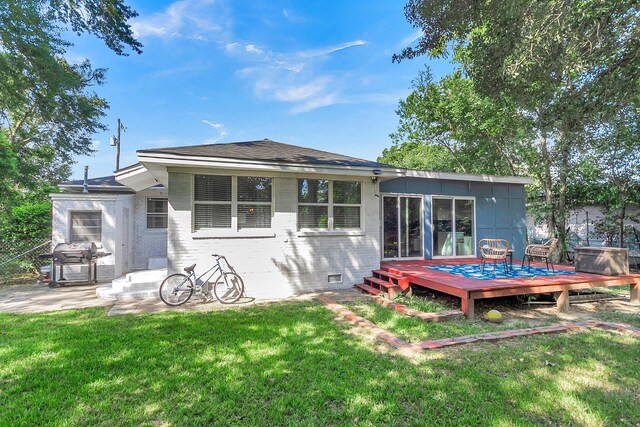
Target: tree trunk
[[548, 185], [623, 214], [561, 218]]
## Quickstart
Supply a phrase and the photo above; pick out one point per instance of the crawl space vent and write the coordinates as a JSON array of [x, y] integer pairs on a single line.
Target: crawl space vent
[[334, 278]]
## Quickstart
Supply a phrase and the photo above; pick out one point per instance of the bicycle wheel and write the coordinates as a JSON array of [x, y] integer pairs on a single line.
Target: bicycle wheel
[[176, 289], [228, 288]]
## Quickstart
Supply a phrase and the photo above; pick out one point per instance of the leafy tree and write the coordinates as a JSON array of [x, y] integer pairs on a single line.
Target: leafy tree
[[47, 111], [565, 64], [27, 221], [448, 126]]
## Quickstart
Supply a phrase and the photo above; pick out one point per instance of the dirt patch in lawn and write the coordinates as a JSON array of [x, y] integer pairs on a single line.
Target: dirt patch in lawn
[[516, 309]]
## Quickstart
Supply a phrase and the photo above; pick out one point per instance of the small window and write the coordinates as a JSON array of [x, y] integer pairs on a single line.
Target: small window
[[331, 205], [212, 201], [86, 226], [313, 203], [254, 202], [346, 204], [157, 212]]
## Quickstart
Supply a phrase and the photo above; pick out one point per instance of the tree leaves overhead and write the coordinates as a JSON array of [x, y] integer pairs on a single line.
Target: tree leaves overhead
[[569, 67], [48, 110], [475, 134]]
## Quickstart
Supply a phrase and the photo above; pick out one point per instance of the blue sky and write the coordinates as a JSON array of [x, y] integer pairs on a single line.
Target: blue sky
[[316, 74]]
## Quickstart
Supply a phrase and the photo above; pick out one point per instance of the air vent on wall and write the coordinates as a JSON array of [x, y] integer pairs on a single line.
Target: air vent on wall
[[334, 278]]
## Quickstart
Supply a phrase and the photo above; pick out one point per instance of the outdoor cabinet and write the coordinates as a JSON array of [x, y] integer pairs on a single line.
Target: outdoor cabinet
[[602, 260]]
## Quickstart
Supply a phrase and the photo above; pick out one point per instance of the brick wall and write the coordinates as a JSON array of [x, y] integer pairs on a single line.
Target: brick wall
[[147, 242], [278, 262]]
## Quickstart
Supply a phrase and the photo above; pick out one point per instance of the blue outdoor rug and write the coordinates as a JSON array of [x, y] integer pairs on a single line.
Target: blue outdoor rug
[[474, 271]]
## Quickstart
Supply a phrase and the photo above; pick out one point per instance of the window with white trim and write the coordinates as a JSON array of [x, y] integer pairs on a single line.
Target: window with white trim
[[232, 202], [86, 226], [157, 212], [329, 205]]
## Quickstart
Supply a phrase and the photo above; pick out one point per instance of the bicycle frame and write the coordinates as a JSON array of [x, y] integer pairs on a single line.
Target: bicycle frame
[[217, 268]]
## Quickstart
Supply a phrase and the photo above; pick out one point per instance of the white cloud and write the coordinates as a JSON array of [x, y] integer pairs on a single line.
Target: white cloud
[[329, 50], [219, 127], [185, 18], [251, 48], [293, 77], [212, 124], [407, 41]]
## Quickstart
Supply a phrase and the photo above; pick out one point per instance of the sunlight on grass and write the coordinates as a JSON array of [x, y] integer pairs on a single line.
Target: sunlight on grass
[[292, 364]]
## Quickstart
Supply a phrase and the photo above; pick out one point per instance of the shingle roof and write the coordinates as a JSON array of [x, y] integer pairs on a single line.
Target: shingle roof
[[266, 150], [103, 181]]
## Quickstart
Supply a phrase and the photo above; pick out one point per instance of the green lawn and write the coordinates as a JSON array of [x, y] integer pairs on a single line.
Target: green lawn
[[414, 329], [292, 364]]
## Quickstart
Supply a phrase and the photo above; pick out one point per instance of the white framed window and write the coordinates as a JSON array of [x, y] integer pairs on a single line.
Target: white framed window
[[157, 212], [86, 226], [232, 202], [329, 205]]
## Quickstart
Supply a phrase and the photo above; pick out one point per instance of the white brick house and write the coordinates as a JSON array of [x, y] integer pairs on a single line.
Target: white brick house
[[289, 219]]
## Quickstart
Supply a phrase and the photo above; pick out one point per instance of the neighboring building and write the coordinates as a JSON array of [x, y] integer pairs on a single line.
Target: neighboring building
[[289, 219], [581, 225]]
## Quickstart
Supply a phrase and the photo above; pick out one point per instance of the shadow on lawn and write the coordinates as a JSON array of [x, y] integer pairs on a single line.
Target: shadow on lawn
[[291, 364]]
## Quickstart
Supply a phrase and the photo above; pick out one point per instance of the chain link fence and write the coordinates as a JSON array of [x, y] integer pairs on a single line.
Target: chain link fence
[[21, 256]]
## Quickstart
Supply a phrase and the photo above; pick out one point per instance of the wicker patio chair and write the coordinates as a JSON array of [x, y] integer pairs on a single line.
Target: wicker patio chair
[[496, 250], [543, 251]]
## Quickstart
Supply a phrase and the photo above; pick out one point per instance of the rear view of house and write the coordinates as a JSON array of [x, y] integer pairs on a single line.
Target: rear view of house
[[290, 219]]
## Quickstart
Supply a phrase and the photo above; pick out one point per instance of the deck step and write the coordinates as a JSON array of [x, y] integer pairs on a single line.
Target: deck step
[[381, 283], [368, 289], [388, 274]]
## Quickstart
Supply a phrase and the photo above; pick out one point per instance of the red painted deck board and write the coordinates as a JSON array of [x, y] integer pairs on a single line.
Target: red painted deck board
[[457, 285]]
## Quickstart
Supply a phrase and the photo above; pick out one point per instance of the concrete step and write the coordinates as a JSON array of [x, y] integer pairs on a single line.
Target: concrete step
[[134, 286]]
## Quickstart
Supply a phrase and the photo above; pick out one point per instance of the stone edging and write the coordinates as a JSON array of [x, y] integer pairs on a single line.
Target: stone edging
[[408, 349]]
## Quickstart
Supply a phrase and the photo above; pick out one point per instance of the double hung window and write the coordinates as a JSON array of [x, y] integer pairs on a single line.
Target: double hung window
[[329, 205], [157, 212], [230, 202]]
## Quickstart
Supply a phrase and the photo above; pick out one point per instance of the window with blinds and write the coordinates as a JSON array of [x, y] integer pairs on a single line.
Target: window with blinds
[[232, 202], [347, 197], [212, 201], [86, 226], [313, 203], [254, 202], [157, 212], [330, 205]]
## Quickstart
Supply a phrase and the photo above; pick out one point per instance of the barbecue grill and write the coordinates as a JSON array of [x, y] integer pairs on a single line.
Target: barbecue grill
[[75, 253]]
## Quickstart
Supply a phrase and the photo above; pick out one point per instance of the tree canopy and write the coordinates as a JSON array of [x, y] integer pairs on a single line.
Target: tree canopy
[[566, 68], [48, 112]]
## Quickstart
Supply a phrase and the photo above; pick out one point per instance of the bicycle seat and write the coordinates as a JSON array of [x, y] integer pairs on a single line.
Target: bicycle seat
[[190, 268]]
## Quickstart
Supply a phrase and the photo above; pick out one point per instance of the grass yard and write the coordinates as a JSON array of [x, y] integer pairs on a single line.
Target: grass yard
[[292, 364], [414, 329]]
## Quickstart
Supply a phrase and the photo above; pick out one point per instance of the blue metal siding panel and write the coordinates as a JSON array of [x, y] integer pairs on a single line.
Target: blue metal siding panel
[[455, 188], [485, 212], [500, 208]]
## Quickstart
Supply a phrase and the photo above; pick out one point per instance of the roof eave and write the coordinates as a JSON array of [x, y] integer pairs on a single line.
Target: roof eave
[[469, 177], [165, 159]]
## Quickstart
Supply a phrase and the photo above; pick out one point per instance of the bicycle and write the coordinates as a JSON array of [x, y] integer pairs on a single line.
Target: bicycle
[[178, 288]]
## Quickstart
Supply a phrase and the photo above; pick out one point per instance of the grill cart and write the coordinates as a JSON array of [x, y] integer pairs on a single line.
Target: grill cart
[[74, 254]]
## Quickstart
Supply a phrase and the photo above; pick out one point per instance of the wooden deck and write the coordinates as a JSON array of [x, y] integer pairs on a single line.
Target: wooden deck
[[468, 290]]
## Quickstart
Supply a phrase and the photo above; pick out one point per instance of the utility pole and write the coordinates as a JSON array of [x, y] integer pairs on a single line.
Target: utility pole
[[118, 147], [115, 141]]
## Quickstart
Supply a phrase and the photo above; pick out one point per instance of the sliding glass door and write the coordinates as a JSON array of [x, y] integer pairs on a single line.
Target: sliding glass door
[[402, 226], [453, 225]]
